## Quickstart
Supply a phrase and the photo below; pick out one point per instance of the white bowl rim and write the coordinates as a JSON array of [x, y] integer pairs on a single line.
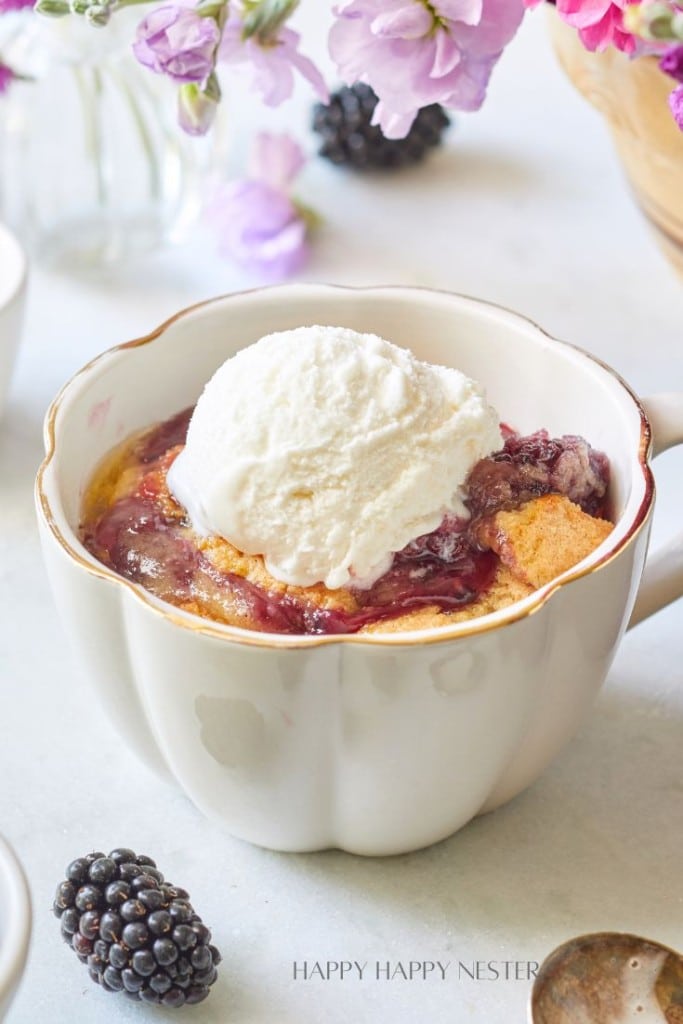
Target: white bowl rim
[[603, 555], [16, 935], [9, 244]]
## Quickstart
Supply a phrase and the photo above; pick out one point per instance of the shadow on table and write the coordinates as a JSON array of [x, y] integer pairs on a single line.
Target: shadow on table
[[21, 450], [594, 845], [481, 170]]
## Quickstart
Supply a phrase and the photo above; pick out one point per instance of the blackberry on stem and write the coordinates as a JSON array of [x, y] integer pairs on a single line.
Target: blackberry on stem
[[348, 137], [137, 933]]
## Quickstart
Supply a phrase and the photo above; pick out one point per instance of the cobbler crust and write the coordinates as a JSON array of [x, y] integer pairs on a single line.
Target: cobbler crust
[[535, 543]]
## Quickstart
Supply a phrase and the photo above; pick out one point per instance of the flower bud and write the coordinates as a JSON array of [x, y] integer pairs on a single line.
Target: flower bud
[[210, 9], [653, 21], [55, 8], [196, 109], [174, 40], [98, 15]]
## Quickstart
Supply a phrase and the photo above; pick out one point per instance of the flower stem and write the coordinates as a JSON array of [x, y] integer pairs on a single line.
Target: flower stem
[[90, 93], [129, 3], [143, 132]]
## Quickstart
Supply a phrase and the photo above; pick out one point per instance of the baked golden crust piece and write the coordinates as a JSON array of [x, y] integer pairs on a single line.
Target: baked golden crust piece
[[229, 559], [535, 543], [543, 538]]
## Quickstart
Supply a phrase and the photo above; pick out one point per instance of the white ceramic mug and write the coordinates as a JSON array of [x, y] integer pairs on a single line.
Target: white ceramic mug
[[15, 924], [375, 744], [12, 296]]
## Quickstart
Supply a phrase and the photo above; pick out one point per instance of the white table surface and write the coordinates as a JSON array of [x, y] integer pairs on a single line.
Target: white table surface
[[526, 206]]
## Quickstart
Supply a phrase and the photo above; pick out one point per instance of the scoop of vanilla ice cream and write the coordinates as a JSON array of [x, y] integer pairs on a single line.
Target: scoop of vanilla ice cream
[[326, 451]]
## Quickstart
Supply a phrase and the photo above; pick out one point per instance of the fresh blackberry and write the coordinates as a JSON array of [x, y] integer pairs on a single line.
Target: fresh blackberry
[[137, 933], [349, 138]]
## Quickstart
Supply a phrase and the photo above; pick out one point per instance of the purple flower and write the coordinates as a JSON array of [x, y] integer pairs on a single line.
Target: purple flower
[[259, 226], [6, 76], [260, 229], [14, 5], [414, 54], [176, 41], [275, 160], [672, 62], [272, 64]]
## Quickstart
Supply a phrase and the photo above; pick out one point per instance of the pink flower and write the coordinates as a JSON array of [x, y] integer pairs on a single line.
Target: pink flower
[[600, 22], [174, 40], [6, 76], [272, 65], [676, 105], [14, 5], [413, 53], [259, 226], [671, 62]]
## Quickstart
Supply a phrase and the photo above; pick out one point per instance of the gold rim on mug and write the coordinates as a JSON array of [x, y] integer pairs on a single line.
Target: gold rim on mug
[[436, 634]]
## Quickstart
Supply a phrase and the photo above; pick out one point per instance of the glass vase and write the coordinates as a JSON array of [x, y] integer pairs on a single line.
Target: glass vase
[[93, 165]]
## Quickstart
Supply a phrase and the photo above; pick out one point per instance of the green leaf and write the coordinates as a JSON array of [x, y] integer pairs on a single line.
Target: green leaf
[[212, 88], [311, 218], [210, 9], [263, 19]]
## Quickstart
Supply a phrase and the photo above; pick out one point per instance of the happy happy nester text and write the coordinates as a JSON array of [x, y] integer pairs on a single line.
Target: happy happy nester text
[[413, 970]]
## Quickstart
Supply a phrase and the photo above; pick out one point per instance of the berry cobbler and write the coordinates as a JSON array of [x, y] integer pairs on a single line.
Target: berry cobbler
[[328, 482]]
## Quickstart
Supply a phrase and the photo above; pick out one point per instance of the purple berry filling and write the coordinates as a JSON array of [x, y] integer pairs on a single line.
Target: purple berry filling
[[145, 543]]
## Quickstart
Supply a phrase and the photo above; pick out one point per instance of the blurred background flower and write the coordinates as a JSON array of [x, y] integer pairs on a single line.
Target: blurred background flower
[[6, 76], [259, 224], [177, 41], [414, 54], [268, 50]]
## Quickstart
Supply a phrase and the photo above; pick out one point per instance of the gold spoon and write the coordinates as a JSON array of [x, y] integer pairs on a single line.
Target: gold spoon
[[609, 978]]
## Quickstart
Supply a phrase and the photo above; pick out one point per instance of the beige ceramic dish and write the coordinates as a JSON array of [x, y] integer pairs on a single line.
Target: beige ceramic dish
[[379, 743], [633, 95]]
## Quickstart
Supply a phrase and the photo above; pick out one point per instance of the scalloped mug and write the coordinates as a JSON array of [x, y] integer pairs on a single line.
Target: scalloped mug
[[376, 744], [15, 924]]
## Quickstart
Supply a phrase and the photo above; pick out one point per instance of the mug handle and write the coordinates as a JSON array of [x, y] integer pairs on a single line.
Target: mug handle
[[662, 580]]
